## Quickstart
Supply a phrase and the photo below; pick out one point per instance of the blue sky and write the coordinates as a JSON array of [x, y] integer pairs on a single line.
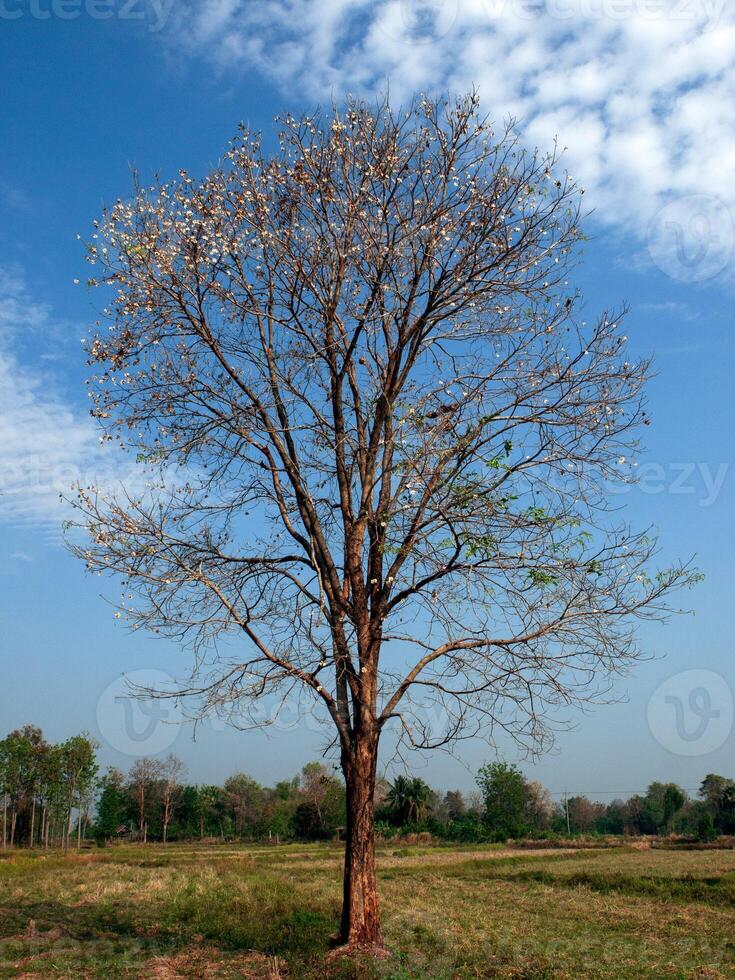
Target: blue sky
[[642, 95]]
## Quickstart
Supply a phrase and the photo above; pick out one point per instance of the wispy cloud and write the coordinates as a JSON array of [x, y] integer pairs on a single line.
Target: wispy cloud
[[640, 94], [672, 309], [14, 197], [19, 312], [47, 444], [20, 556]]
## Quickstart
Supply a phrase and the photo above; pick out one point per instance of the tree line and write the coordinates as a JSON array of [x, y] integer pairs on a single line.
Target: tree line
[[47, 791], [152, 802], [516, 807], [53, 795]]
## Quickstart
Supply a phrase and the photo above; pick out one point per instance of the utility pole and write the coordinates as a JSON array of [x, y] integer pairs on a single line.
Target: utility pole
[[566, 810]]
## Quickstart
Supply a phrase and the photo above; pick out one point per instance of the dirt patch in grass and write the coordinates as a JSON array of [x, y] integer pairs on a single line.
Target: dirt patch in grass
[[210, 964]]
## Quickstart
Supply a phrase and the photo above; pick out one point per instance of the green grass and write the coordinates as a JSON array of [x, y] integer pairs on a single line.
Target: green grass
[[449, 912]]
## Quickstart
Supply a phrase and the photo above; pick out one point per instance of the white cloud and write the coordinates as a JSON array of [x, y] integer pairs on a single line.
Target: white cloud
[[46, 444], [640, 91], [18, 311]]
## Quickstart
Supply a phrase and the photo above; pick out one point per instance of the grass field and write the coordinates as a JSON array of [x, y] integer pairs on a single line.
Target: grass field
[[245, 911]]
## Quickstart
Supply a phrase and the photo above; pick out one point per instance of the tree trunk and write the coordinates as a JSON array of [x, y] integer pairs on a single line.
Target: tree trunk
[[360, 920], [68, 822], [33, 823]]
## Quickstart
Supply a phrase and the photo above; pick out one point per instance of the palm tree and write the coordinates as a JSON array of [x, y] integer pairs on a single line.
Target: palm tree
[[408, 799]]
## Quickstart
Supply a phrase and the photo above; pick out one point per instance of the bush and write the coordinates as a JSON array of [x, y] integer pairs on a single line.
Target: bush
[[706, 827], [385, 830]]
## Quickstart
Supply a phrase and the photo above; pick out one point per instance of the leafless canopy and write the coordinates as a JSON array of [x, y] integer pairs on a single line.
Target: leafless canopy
[[384, 433]]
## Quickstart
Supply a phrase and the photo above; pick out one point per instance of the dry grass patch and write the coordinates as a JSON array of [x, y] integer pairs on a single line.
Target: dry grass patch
[[229, 911]]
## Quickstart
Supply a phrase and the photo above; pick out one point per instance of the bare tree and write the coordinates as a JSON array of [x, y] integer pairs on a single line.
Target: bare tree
[[539, 804], [383, 435], [172, 772], [142, 779]]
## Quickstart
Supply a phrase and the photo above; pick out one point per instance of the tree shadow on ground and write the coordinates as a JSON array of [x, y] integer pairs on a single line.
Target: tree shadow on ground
[[273, 928]]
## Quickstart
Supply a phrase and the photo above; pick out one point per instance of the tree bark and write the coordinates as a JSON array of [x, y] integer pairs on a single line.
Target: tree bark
[[166, 818], [360, 919]]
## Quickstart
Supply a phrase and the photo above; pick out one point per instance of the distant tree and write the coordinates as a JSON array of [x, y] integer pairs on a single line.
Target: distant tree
[[42, 786], [286, 789], [143, 781], [22, 755], [78, 769], [540, 807], [613, 819], [113, 806], [52, 794], [637, 818], [582, 814], [674, 799], [187, 819], [322, 806], [34, 747], [727, 809], [408, 800], [21, 759], [382, 788], [718, 794], [505, 797], [209, 806], [475, 805], [455, 804], [706, 830], [365, 354], [712, 789], [6, 783], [660, 805], [172, 772], [247, 802]]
